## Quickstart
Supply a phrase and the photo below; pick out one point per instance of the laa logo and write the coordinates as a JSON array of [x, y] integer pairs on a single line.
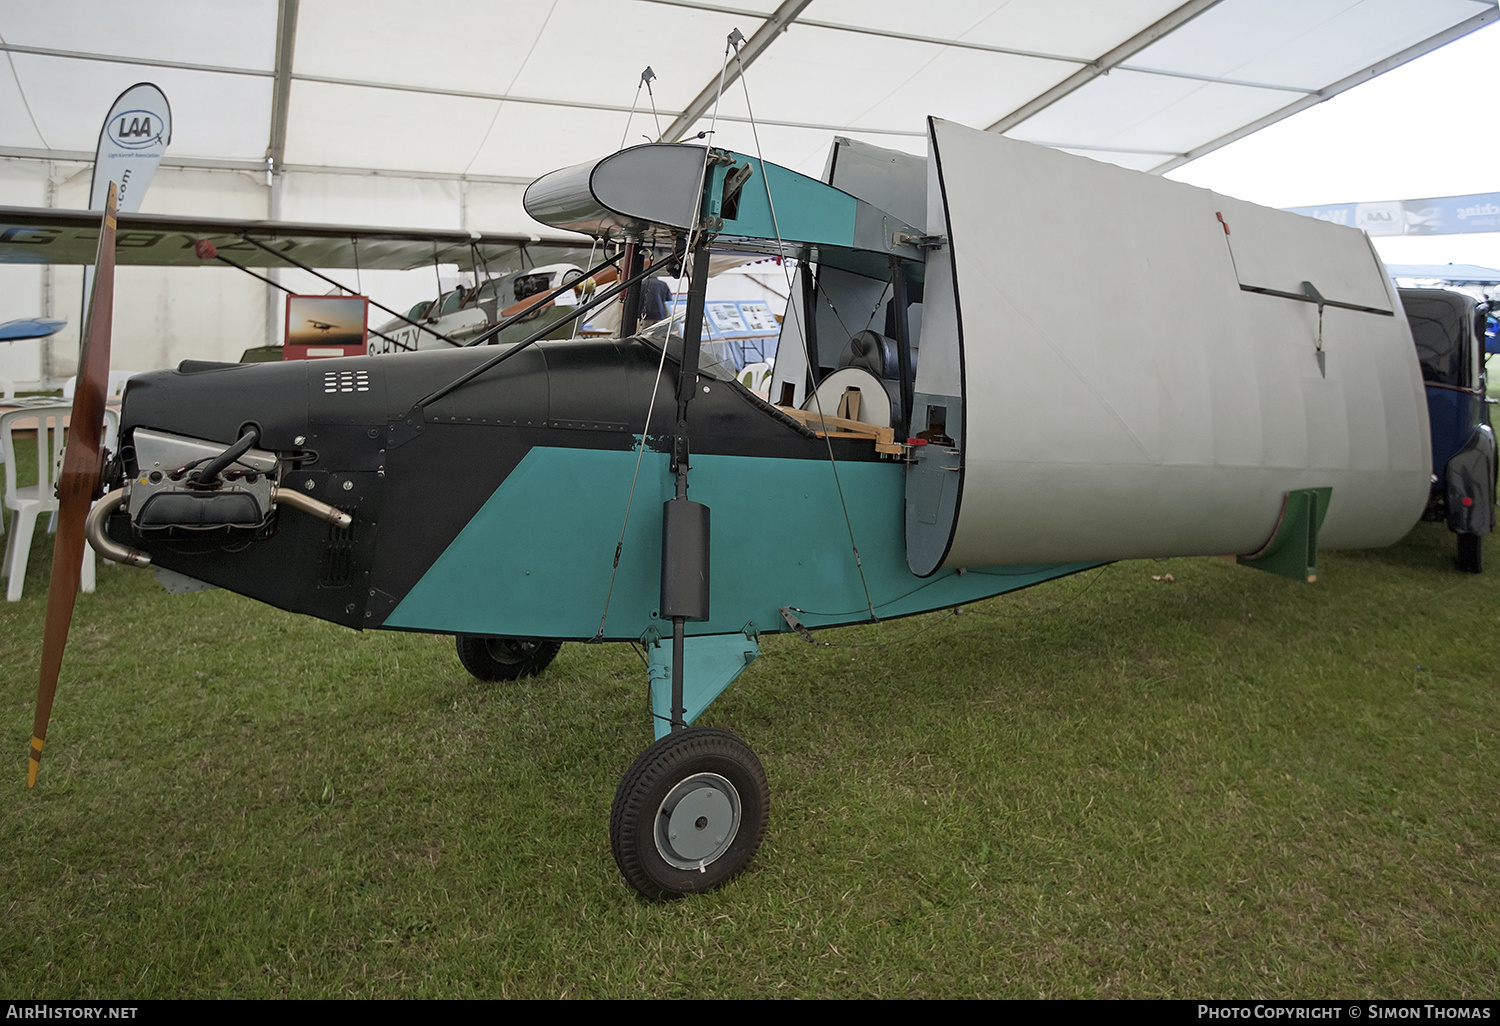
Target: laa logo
[[135, 129]]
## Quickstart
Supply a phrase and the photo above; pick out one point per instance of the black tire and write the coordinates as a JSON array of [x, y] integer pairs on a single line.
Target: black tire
[[708, 785], [1471, 553], [491, 658]]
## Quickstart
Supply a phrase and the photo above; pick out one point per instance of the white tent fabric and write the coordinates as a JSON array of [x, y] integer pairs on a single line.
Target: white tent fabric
[[437, 114], [512, 90]]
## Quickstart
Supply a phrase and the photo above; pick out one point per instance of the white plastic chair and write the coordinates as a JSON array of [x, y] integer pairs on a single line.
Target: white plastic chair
[[27, 502], [7, 391], [757, 376]]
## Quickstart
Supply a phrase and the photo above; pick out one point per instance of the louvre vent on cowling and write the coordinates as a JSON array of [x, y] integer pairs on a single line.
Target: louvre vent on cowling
[[338, 558], [346, 381]]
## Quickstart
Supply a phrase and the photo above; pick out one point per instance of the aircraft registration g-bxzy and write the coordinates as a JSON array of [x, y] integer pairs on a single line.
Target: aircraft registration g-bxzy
[[1251, 389]]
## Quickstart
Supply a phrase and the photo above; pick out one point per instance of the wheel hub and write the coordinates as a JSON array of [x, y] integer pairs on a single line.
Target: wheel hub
[[697, 821], [510, 650]]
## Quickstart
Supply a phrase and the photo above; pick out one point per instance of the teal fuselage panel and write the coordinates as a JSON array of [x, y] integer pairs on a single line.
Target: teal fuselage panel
[[536, 560]]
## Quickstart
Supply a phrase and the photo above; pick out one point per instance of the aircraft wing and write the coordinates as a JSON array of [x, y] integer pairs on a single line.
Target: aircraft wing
[[30, 327], [40, 235]]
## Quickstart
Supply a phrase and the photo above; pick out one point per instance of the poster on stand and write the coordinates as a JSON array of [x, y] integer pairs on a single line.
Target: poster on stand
[[318, 327]]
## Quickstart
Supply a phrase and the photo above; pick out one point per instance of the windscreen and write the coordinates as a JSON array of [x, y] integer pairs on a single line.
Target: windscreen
[[715, 357], [1438, 328], [527, 285]]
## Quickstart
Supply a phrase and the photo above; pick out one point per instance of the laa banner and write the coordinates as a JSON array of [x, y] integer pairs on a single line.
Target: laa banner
[[131, 143]]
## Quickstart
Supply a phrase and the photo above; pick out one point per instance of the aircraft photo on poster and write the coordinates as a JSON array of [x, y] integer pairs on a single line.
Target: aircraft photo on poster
[[331, 322]]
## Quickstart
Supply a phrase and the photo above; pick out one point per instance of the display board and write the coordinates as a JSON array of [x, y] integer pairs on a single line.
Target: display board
[[318, 327]]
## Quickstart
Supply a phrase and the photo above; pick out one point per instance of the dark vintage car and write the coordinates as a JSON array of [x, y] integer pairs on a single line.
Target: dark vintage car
[[1448, 329]]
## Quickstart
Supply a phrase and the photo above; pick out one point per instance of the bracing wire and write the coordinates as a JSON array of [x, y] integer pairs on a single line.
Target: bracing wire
[[647, 76], [631, 116], [21, 91], [879, 302], [630, 499], [731, 44], [817, 402], [692, 237], [823, 293], [958, 610], [699, 227], [934, 581]]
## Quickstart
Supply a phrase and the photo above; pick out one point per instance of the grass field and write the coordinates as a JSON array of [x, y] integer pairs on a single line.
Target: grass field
[[1227, 785]]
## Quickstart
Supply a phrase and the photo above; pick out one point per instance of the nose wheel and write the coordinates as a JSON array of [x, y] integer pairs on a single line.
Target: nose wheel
[[689, 814]]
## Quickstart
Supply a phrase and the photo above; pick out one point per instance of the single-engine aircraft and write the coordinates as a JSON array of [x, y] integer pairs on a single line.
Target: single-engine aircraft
[[461, 314], [31, 235], [947, 423], [535, 299]]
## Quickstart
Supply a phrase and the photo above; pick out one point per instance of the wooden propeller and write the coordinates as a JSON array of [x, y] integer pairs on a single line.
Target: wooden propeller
[[79, 480]]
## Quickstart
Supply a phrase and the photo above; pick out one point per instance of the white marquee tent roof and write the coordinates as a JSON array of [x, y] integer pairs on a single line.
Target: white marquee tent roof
[[435, 114], [503, 91]]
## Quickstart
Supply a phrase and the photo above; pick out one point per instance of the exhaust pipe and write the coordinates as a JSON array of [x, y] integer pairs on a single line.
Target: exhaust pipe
[[93, 530], [286, 497]]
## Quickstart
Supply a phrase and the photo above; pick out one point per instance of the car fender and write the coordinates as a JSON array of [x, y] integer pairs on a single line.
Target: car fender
[[1471, 484]]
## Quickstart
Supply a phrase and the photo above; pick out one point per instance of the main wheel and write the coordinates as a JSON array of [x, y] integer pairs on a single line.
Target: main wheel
[[1471, 553], [490, 658], [689, 814]]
